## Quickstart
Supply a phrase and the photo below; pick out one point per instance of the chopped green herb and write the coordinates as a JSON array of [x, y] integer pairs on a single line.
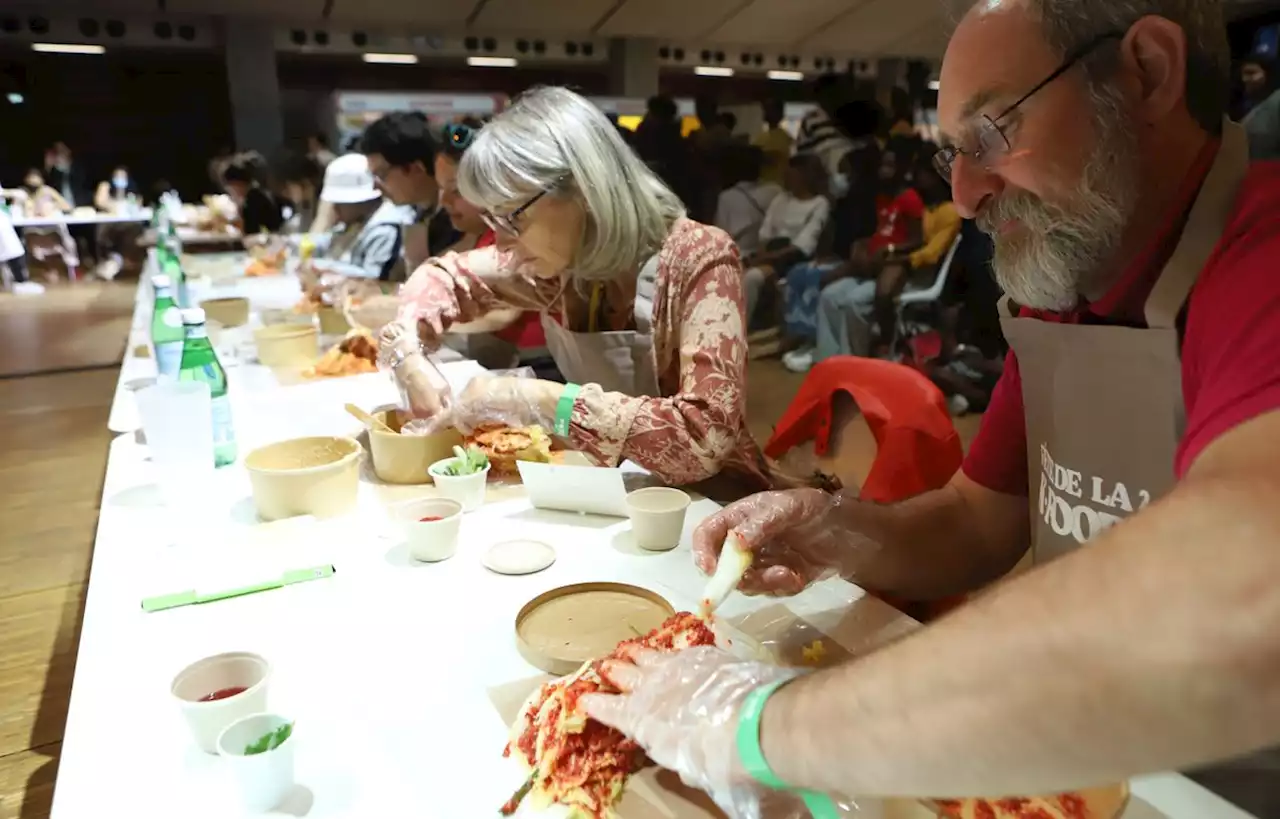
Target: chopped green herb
[[269, 741], [466, 462]]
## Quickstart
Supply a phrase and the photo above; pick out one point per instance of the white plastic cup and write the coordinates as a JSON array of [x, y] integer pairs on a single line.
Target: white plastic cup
[[657, 517], [266, 779], [430, 540], [208, 718], [467, 490]]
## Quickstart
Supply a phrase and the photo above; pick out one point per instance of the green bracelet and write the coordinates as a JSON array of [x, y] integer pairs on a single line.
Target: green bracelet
[[564, 409], [751, 754]]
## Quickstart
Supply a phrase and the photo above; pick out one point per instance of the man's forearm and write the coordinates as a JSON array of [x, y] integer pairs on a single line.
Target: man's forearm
[[930, 546], [1152, 649]]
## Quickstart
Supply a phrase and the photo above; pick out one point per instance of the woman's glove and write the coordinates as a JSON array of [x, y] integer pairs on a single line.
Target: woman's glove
[[503, 400], [423, 392], [794, 537], [683, 710]]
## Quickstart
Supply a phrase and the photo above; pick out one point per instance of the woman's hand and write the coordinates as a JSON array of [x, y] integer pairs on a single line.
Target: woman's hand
[[683, 709], [793, 536], [504, 400]]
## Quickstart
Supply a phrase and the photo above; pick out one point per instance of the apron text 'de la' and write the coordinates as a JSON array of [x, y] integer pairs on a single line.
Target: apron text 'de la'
[[1103, 404]]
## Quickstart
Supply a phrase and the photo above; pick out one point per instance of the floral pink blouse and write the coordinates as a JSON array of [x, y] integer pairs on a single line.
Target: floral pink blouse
[[696, 428]]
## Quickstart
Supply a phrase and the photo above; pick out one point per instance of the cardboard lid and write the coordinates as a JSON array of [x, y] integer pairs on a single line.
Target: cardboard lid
[[561, 629]]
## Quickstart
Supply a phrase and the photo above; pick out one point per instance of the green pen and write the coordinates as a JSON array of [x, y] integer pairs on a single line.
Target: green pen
[[192, 597]]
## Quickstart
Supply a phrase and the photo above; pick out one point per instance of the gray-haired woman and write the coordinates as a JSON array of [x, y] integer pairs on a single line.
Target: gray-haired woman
[[642, 307]]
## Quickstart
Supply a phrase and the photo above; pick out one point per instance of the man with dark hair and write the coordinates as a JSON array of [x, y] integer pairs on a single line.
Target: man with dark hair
[[260, 212], [318, 150], [820, 133], [402, 152]]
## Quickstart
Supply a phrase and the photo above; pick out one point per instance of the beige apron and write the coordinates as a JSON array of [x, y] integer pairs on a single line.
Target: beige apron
[[619, 361], [1104, 412]]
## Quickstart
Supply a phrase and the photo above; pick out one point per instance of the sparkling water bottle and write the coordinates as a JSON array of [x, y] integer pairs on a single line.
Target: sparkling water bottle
[[200, 363]]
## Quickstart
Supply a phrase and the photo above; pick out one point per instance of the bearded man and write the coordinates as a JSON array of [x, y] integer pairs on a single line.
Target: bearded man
[[1132, 446]]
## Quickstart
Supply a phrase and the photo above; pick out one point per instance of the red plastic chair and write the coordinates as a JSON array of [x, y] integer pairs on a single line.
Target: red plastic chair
[[917, 446]]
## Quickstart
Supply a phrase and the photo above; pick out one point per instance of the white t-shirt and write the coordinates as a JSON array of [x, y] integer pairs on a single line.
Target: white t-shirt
[[740, 212], [799, 220]]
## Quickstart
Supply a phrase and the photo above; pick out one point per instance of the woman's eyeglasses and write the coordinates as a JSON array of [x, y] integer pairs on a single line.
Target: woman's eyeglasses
[[506, 222], [989, 140]]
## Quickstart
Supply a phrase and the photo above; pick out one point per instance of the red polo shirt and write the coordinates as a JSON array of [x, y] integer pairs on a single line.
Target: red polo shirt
[[1231, 343]]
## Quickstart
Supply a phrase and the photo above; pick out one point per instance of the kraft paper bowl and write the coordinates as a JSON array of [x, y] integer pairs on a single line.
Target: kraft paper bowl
[[332, 322], [405, 459], [305, 476], [229, 312], [286, 345]]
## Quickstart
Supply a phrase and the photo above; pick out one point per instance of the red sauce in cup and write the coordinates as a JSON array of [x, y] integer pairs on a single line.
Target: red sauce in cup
[[430, 519], [223, 693]]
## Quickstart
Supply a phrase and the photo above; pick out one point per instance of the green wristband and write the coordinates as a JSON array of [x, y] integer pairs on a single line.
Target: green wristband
[[564, 409], [751, 754]]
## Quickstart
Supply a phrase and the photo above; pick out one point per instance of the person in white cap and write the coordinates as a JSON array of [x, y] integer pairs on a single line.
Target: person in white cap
[[366, 240]]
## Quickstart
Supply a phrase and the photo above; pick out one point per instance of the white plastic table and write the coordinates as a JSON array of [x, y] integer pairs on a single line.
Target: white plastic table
[[71, 220], [387, 666]]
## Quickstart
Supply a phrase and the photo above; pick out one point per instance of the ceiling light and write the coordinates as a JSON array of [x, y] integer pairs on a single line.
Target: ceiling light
[[934, 85], [492, 62], [16, 99], [713, 71], [67, 48], [390, 59], [789, 76]]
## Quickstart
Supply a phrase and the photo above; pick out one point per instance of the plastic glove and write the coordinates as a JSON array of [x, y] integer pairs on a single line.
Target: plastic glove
[[793, 535], [683, 710], [423, 391], [504, 400]]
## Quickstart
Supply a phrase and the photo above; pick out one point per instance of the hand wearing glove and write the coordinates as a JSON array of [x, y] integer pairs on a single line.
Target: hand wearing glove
[[683, 709], [794, 537], [505, 400], [422, 390]]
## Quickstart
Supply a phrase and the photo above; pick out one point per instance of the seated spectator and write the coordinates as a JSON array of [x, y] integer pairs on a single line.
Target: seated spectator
[[366, 240], [741, 207], [791, 228], [40, 199], [849, 290], [659, 144], [112, 192], [114, 241], [819, 132], [259, 210], [920, 258]]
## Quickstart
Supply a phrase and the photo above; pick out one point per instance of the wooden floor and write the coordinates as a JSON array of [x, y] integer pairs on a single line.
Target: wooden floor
[[51, 466]]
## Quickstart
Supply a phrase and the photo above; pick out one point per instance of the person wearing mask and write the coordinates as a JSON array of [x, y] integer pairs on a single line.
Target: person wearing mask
[[641, 306], [260, 212], [1132, 448], [39, 200], [114, 191], [366, 241], [402, 154], [792, 226], [741, 208], [775, 142], [63, 175], [112, 196], [318, 150]]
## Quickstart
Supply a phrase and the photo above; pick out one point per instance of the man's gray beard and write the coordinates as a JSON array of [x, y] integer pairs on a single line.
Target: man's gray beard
[[1060, 250]]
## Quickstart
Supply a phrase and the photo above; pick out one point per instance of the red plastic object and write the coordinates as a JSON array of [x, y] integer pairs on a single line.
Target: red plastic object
[[917, 446]]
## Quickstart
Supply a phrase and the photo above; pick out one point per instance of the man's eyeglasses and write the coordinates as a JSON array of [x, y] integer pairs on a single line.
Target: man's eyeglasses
[[506, 222], [989, 139]]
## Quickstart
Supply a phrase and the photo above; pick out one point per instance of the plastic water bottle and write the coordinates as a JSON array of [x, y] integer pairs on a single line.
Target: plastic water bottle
[[167, 335], [200, 363]]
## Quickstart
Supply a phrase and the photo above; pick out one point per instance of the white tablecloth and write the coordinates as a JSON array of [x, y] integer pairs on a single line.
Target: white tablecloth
[[72, 220], [387, 666]]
